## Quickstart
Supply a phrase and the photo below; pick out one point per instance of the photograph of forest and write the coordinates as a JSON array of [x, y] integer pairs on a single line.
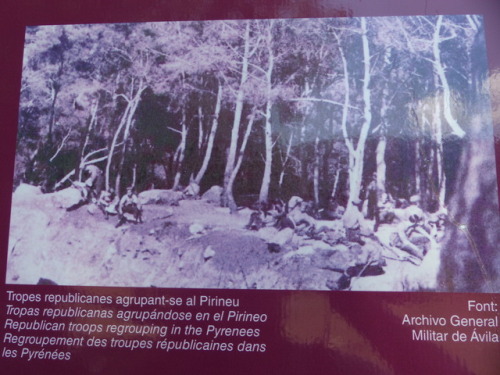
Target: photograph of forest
[[319, 154]]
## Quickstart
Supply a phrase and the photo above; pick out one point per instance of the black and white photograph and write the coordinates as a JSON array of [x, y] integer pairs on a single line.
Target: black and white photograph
[[344, 154]]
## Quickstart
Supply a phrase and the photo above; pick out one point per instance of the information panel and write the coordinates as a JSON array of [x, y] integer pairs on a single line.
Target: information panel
[[253, 188]]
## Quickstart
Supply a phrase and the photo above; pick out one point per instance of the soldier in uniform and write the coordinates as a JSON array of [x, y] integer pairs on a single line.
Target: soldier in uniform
[[129, 204], [94, 181], [108, 203], [352, 223]]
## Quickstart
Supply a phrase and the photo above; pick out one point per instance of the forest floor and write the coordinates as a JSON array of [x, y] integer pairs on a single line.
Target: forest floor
[[195, 244]]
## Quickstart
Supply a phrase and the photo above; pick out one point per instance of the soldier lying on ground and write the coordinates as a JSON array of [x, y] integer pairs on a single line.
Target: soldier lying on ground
[[265, 214], [333, 210], [407, 231], [297, 214], [293, 215], [256, 222], [385, 207]]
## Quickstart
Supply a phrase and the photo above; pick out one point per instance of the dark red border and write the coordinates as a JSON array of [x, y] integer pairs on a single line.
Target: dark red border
[[371, 315], [17, 14]]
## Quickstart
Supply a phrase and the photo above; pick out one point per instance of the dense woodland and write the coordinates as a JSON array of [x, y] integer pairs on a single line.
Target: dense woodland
[[265, 108]]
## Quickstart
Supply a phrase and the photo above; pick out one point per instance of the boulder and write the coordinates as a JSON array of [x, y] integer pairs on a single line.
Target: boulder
[[337, 259], [66, 198], [213, 195], [44, 281], [208, 253], [334, 237], [196, 229], [92, 208], [303, 251], [283, 237], [280, 239], [369, 253], [26, 193], [192, 190], [160, 196]]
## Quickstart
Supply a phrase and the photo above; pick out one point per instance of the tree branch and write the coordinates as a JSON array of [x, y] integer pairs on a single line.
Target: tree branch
[[333, 102], [61, 146]]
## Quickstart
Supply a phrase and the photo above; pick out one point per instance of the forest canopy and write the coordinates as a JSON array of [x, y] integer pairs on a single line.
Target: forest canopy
[[318, 108]]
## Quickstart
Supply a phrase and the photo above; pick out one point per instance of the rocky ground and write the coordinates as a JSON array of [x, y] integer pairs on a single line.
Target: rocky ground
[[185, 243]]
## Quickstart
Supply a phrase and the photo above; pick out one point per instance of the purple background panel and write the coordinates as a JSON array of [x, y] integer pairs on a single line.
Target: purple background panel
[[307, 332]]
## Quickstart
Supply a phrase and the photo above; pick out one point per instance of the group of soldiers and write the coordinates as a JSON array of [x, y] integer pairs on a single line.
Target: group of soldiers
[[127, 208], [406, 225]]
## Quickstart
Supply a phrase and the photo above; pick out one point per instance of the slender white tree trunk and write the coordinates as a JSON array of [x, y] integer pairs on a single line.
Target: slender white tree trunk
[[440, 70], [417, 171], [268, 136], [211, 137], [92, 122], [345, 112], [126, 133], [356, 156], [231, 203], [113, 145], [180, 151], [125, 124], [231, 157], [335, 183], [200, 128], [316, 171], [285, 161], [381, 165], [437, 132], [382, 143]]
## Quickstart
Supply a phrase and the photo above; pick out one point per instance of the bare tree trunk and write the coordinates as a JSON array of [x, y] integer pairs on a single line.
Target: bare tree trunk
[[180, 151], [227, 195], [125, 125], [441, 177], [303, 188], [316, 171], [52, 118], [356, 155], [381, 165], [345, 111], [200, 128], [113, 145], [285, 162], [417, 170], [382, 143], [126, 135], [440, 70], [266, 179], [231, 203], [211, 137], [423, 169], [92, 121], [55, 89], [119, 170], [134, 175], [335, 183], [439, 189]]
